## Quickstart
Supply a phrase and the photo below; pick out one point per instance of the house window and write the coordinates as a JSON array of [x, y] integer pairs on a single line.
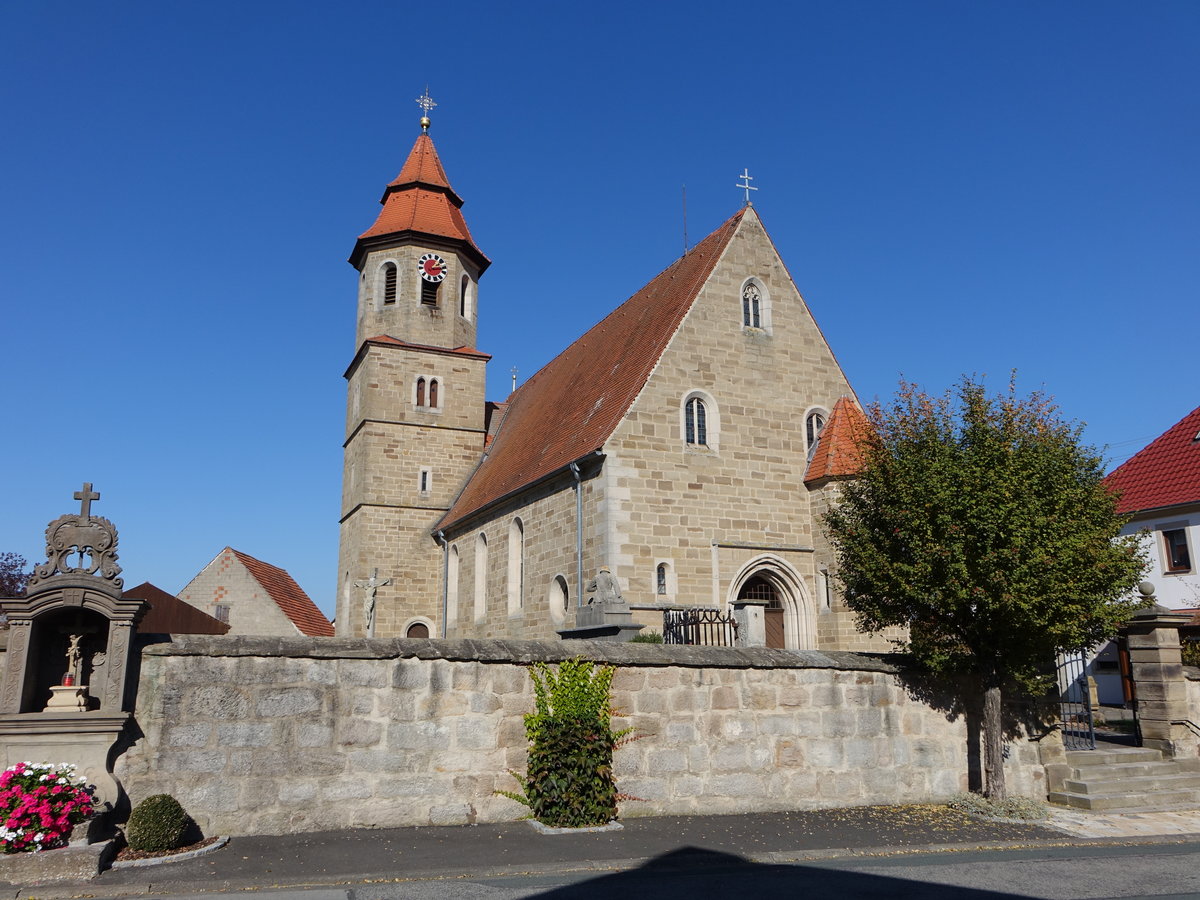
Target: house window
[[1179, 559], [221, 612], [660, 579], [751, 306], [516, 566], [389, 283], [695, 422], [814, 424]]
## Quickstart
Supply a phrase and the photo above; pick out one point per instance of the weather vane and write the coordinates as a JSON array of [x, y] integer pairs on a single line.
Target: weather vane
[[745, 184], [426, 103]]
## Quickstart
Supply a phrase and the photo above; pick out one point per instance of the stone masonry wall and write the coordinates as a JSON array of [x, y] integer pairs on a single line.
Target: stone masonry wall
[[258, 735]]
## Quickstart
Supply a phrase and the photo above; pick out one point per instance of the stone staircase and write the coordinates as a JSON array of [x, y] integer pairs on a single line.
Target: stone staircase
[[1112, 778]]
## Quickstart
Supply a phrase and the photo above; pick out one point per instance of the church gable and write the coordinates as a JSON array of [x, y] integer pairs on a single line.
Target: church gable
[[713, 452]]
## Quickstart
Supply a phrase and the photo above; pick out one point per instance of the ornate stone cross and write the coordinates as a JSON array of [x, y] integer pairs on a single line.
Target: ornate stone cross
[[85, 498], [371, 586]]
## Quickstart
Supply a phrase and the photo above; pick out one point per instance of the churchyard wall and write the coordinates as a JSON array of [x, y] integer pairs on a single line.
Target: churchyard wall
[[257, 735]]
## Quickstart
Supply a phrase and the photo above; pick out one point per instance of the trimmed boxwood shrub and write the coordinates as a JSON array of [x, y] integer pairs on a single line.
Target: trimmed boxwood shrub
[[157, 823]]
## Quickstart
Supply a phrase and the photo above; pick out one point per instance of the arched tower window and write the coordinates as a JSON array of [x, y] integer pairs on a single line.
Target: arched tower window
[[429, 292], [462, 296], [695, 418], [660, 580], [516, 566], [481, 564], [389, 283], [814, 424], [433, 392], [420, 392]]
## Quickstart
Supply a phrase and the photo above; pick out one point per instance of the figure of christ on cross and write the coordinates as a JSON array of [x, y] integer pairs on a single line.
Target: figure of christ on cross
[[371, 586]]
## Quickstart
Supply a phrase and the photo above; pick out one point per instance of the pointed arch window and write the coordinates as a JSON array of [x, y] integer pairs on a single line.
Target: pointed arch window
[[814, 424], [751, 306], [389, 283], [660, 579], [452, 586], [433, 392], [420, 392], [695, 418], [481, 564], [516, 566]]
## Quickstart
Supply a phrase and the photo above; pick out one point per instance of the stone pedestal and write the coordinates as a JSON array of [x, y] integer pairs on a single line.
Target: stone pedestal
[[752, 622], [65, 698], [1153, 636], [602, 621]]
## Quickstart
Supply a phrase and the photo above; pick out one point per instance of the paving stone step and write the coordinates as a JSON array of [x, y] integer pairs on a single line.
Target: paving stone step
[[1131, 770], [1146, 784], [1127, 802], [1113, 756]]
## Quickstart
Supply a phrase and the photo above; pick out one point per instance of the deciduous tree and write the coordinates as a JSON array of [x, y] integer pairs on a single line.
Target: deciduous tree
[[980, 523], [12, 574]]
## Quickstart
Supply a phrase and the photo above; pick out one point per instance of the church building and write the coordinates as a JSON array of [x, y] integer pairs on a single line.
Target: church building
[[689, 442]]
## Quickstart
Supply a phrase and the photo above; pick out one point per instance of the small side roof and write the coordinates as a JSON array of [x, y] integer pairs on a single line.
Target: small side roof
[[288, 596], [1166, 472], [839, 451], [170, 615]]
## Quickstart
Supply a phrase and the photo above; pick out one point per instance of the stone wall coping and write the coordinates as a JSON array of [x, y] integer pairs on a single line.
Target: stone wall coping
[[1191, 673], [519, 652]]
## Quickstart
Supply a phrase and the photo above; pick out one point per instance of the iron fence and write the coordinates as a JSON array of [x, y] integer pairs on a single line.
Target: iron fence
[[699, 626]]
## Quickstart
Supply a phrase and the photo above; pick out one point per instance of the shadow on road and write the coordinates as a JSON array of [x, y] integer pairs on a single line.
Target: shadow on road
[[691, 873]]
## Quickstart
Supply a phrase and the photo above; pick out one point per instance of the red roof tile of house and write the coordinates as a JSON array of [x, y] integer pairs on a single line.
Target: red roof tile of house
[[170, 615], [288, 596], [1166, 472], [420, 201], [572, 405], [838, 452]]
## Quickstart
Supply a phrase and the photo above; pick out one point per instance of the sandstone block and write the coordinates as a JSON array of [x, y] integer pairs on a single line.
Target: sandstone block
[[452, 814], [194, 734], [244, 734], [217, 701], [288, 702]]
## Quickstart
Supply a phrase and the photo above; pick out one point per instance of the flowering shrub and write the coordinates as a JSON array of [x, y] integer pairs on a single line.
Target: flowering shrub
[[39, 805]]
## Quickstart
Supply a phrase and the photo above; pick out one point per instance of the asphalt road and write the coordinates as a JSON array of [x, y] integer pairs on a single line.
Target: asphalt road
[[1170, 870]]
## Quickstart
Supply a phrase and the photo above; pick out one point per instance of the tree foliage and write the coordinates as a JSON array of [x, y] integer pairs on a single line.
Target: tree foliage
[[981, 523], [12, 574]]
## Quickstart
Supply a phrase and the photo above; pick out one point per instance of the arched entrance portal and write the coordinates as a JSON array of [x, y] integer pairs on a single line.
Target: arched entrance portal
[[787, 610]]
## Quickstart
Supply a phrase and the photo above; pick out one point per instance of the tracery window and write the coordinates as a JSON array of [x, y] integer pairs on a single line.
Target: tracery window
[[814, 424], [751, 306]]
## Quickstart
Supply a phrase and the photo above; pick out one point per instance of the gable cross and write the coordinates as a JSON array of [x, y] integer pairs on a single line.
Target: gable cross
[[85, 498], [745, 184]]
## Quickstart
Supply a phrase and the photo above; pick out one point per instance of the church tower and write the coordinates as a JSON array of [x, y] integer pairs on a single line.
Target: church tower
[[415, 406]]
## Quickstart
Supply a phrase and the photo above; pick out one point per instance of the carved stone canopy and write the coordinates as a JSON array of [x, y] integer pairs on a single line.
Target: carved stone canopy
[[78, 546]]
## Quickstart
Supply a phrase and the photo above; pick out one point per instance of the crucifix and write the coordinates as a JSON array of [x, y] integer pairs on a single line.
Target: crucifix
[[745, 184], [371, 586], [85, 498], [426, 103]]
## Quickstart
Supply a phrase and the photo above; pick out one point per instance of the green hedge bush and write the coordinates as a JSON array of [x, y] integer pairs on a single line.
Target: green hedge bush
[[569, 781], [157, 823]]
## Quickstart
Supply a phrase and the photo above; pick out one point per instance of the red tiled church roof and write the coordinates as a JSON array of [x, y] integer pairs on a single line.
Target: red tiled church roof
[[170, 615], [420, 201], [838, 452], [288, 596], [1166, 472], [572, 405]]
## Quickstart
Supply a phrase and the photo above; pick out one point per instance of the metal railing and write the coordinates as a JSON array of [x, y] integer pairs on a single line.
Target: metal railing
[[699, 626]]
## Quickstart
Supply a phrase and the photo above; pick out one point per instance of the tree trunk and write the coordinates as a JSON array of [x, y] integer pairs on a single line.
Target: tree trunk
[[993, 743]]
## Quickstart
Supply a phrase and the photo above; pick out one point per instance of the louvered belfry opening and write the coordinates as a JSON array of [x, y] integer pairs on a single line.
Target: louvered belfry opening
[[389, 283]]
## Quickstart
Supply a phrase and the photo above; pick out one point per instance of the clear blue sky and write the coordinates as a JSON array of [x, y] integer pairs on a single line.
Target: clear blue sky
[[956, 188]]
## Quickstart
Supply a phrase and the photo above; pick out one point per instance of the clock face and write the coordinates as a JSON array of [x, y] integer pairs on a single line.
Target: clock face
[[432, 267]]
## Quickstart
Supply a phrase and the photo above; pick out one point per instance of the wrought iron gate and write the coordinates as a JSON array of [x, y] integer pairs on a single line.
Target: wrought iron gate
[[1075, 702], [697, 625]]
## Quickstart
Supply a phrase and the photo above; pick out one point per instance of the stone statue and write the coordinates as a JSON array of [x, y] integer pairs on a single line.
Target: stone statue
[[74, 658], [605, 587], [371, 586]]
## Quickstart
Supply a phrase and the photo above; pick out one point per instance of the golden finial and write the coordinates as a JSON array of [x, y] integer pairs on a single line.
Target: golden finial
[[426, 103]]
